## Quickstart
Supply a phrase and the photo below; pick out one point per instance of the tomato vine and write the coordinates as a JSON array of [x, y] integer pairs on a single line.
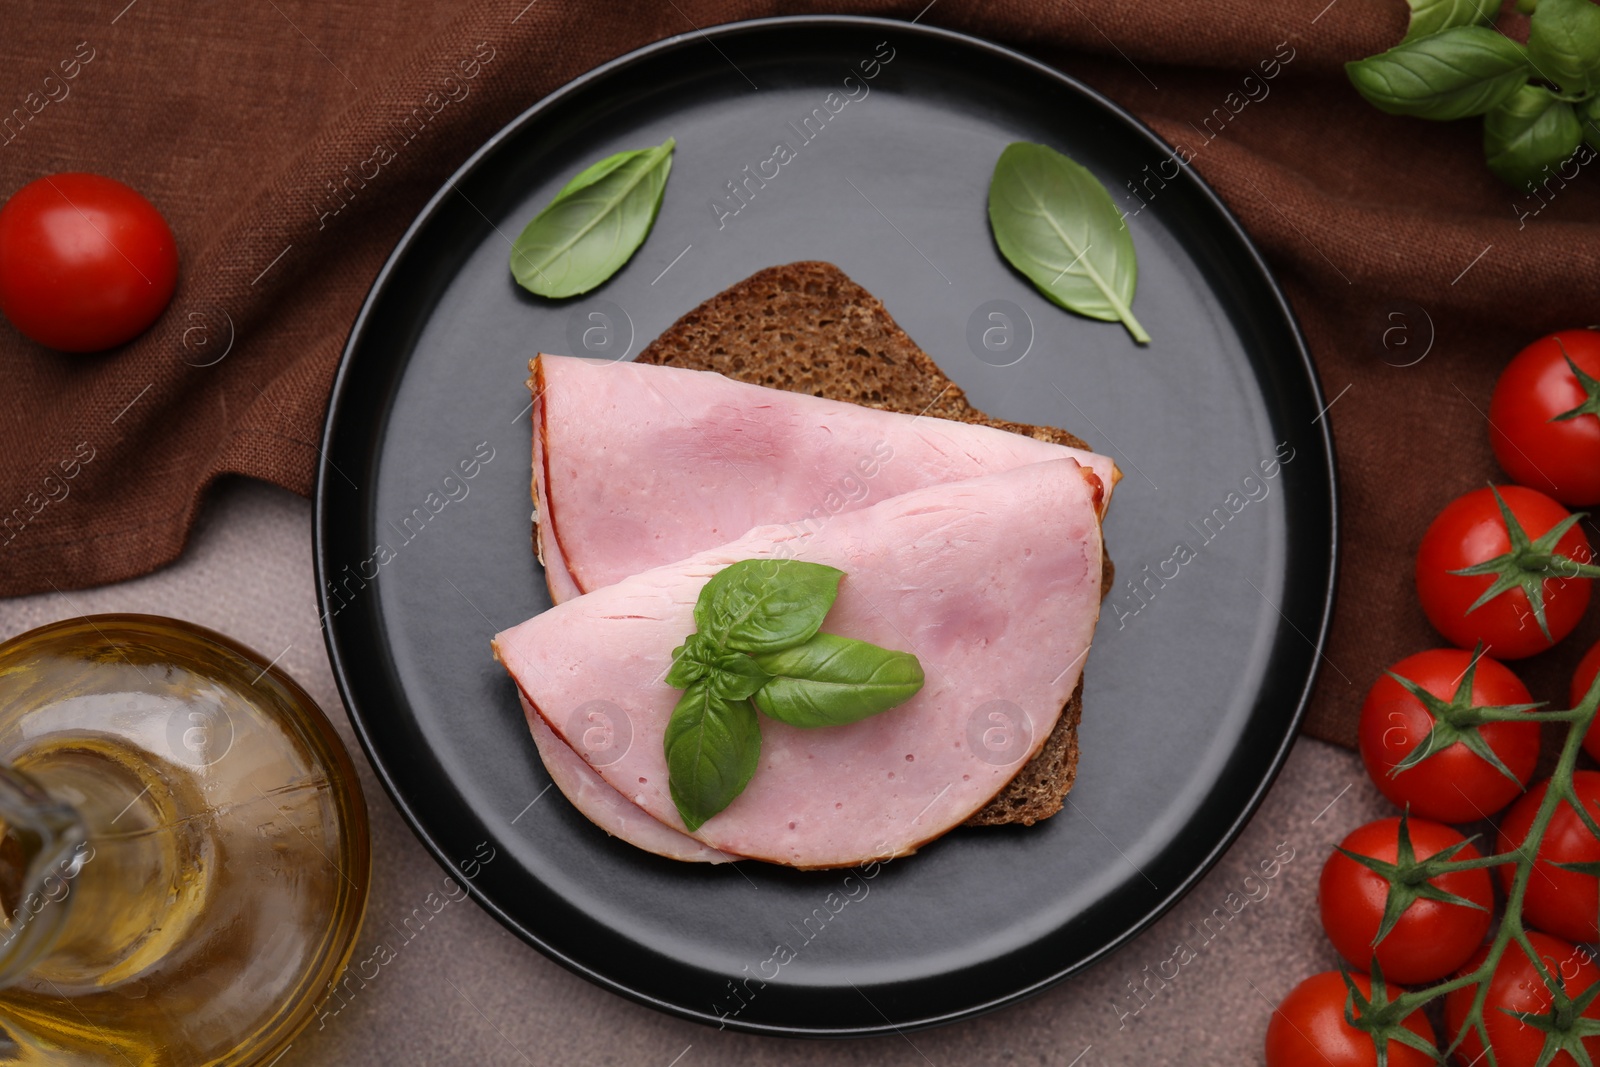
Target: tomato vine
[[1565, 1027]]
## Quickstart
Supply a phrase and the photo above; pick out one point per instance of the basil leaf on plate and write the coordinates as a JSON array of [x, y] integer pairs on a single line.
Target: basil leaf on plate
[[713, 745], [1465, 70], [1056, 223], [1530, 132], [763, 605], [1431, 16], [1564, 43], [832, 680], [594, 225]]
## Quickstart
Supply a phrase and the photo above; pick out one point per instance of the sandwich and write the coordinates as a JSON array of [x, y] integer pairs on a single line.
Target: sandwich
[[789, 417]]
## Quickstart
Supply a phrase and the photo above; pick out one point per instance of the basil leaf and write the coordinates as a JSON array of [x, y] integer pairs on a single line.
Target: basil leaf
[[831, 680], [595, 171], [712, 745], [733, 675], [691, 661], [763, 605], [1056, 223], [1462, 71], [1431, 16], [594, 225], [737, 676], [1564, 43], [1530, 132]]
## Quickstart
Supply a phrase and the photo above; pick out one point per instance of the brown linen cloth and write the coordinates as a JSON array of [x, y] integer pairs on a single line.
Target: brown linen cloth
[[237, 120]]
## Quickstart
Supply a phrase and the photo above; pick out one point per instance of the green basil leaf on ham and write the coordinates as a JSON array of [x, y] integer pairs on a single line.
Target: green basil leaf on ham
[[764, 605], [713, 745], [831, 680]]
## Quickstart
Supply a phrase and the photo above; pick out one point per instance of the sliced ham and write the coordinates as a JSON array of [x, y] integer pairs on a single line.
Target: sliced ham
[[993, 582], [607, 808], [638, 466]]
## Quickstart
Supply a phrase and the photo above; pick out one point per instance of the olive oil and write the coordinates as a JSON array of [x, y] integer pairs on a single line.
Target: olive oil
[[207, 881]]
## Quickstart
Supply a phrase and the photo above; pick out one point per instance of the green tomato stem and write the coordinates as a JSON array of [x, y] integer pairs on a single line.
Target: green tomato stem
[[1511, 927], [1500, 859], [1571, 715]]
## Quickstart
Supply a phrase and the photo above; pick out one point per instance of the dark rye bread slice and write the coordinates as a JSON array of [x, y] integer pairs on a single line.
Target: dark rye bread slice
[[806, 327]]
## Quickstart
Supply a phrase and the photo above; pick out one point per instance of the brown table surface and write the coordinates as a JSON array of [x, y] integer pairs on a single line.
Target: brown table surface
[[468, 992]]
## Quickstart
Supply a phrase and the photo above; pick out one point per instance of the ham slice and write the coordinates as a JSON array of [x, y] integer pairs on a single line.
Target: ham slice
[[994, 583], [638, 466], [607, 808]]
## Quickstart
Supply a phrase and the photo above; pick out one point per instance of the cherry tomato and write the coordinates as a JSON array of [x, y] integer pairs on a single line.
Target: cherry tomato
[[1517, 986], [1582, 679], [1454, 784], [86, 263], [1553, 455], [1469, 531], [1432, 937], [1558, 901], [1309, 1030]]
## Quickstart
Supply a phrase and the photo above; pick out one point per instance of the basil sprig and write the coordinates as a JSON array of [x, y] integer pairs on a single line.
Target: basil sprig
[[594, 225], [1538, 102], [1056, 223], [757, 639]]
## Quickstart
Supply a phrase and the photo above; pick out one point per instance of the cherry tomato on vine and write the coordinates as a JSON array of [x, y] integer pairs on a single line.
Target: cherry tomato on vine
[[1517, 986], [1558, 901], [1582, 679], [1309, 1028], [1544, 417], [1527, 571], [1430, 935], [1455, 783], [86, 263]]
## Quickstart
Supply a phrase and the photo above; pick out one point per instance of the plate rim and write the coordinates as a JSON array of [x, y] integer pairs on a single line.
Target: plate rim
[[337, 396]]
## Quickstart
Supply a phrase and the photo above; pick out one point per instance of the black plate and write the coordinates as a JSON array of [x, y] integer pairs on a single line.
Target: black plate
[[1191, 703]]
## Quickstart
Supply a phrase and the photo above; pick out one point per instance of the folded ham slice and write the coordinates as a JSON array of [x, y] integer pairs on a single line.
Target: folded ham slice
[[637, 466], [607, 808], [994, 583]]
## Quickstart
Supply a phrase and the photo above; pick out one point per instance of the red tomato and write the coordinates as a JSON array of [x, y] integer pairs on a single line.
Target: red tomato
[[1558, 901], [1455, 784], [1470, 531], [1556, 456], [1309, 1030], [1517, 986], [1582, 679], [1432, 937], [86, 263]]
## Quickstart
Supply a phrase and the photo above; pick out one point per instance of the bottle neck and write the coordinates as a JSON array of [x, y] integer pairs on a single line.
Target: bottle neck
[[117, 888], [43, 849]]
